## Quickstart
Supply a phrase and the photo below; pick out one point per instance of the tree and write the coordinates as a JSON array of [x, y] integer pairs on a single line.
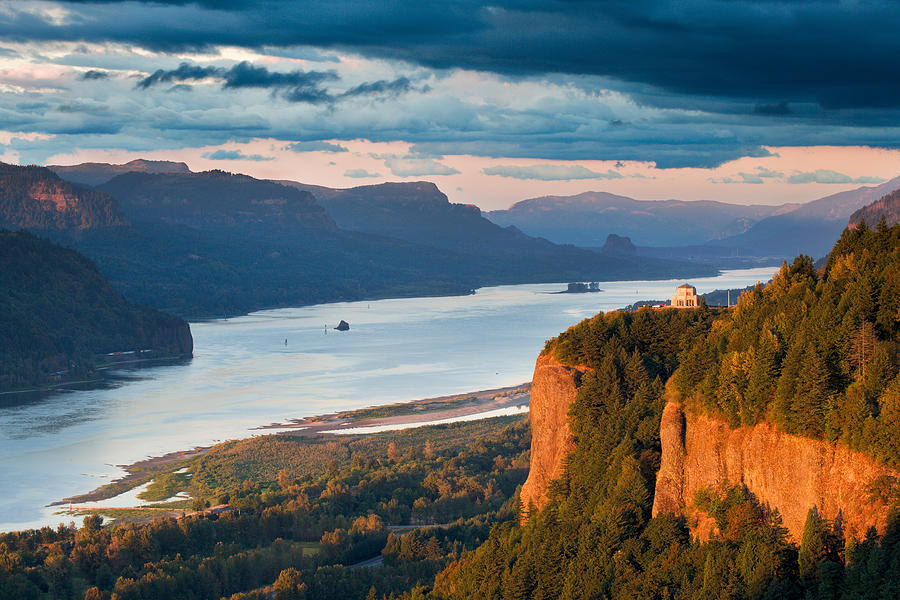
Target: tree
[[863, 348], [289, 585], [392, 452]]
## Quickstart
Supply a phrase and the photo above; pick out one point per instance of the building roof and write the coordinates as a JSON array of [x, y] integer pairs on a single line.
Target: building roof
[[686, 286]]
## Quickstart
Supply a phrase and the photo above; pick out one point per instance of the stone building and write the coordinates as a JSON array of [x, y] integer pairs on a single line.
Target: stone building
[[685, 297]]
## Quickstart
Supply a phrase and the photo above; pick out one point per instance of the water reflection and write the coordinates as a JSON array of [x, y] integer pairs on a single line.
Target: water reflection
[[243, 376]]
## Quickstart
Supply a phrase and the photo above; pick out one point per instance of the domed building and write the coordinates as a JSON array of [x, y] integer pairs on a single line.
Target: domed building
[[685, 297]]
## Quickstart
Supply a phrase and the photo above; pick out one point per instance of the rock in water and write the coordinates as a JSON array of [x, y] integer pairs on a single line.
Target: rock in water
[[343, 326]]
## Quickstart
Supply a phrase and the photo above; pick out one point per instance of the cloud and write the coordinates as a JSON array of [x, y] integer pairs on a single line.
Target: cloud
[[294, 86], [549, 172], [94, 74], [360, 173], [235, 155], [829, 176], [315, 146], [779, 109], [768, 173], [184, 72], [417, 167], [770, 54], [401, 85]]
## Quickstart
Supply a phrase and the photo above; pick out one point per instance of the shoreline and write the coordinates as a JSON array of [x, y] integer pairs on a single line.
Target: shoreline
[[413, 413]]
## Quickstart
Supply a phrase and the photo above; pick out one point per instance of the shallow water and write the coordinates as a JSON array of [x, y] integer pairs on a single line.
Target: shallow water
[[243, 376]]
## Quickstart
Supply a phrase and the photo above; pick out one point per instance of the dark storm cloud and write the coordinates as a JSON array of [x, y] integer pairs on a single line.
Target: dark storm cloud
[[779, 109], [184, 72], [245, 75], [294, 86], [839, 54], [401, 85]]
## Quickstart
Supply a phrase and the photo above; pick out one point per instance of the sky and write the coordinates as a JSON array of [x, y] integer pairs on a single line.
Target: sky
[[765, 102]]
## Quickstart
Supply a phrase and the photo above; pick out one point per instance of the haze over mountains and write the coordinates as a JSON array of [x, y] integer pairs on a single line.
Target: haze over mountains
[[887, 207], [214, 243], [692, 228]]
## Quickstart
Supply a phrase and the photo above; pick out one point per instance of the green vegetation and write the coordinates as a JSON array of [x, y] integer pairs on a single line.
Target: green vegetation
[[58, 313], [816, 353], [298, 509], [794, 352]]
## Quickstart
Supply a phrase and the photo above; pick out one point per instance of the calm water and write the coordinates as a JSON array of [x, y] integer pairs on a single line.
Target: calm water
[[243, 376]]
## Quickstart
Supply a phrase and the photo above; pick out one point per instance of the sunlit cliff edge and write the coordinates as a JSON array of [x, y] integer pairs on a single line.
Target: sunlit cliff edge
[[785, 472]]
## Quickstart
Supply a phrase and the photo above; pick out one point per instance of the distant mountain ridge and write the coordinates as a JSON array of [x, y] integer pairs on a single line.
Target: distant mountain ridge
[[586, 219], [813, 227], [887, 206], [214, 243], [94, 174], [775, 231], [215, 200], [35, 198]]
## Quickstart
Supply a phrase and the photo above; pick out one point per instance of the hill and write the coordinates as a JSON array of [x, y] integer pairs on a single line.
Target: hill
[[810, 229], [888, 207], [36, 198], [59, 316], [586, 219], [215, 201], [94, 174]]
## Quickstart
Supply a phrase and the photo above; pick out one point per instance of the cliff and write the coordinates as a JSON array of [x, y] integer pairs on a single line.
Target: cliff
[[782, 471], [553, 389], [36, 198]]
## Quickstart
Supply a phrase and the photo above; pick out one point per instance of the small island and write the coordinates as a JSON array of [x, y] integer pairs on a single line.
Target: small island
[[581, 288]]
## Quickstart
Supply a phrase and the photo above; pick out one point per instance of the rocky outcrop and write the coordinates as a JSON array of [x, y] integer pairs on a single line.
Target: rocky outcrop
[[553, 389], [36, 198], [784, 472]]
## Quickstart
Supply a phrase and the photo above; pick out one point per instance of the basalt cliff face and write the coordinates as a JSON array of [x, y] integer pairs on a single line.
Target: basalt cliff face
[[782, 471], [553, 389]]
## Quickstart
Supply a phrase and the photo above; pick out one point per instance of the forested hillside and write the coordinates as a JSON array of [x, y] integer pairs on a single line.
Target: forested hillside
[[815, 352], [57, 313], [887, 207]]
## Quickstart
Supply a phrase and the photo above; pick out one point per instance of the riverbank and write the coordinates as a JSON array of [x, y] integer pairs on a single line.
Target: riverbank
[[416, 413]]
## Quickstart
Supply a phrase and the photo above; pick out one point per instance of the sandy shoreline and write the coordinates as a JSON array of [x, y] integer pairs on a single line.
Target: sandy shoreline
[[409, 413]]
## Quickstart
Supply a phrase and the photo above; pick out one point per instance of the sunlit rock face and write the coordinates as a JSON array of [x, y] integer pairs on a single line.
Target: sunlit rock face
[[553, 389], [784, 472]]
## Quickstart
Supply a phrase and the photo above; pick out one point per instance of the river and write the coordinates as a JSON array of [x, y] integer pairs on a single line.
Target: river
[[243, 375]]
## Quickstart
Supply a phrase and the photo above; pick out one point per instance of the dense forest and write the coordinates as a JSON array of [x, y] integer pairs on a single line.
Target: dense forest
[[58, 313], [814, 351], [300, 512]]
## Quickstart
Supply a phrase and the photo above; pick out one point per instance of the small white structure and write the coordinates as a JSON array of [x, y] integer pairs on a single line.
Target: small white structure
[[685, 297]]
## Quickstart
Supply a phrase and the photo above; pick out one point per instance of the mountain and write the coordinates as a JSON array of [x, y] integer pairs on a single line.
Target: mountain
[[36, 198], [59, 315], [214, 243], [887, 206], [810, 229], [586, 219], [215, 201], [616, 244], [94, 174]]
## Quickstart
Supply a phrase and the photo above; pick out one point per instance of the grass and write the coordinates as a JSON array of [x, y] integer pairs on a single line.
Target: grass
[[165, 486]]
